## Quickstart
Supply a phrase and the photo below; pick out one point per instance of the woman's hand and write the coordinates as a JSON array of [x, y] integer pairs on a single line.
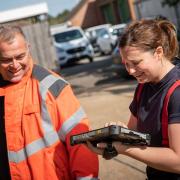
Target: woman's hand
[[105, 149], [99, 149], [120, 148], [119, 123]]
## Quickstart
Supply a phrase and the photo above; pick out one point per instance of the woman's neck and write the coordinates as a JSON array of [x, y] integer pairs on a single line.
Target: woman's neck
[[166, 67]]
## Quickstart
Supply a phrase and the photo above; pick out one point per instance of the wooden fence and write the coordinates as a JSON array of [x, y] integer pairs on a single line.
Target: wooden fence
[[41, 44]]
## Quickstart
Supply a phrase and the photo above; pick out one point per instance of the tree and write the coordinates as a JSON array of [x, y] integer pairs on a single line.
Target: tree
[[170, 2], [60, 18]]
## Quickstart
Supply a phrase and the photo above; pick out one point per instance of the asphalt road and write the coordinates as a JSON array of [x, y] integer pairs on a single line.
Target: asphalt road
[[105, 97]]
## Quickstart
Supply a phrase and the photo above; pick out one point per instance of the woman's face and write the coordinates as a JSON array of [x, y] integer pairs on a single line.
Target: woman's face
[[144, 66]]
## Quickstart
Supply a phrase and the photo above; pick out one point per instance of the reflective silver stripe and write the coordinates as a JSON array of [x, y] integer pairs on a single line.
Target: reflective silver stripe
[[71, 122], [44, 85], [33, 147], [87, 178]]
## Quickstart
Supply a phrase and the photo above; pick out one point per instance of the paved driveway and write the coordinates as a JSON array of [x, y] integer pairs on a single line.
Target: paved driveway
[[106, 97]]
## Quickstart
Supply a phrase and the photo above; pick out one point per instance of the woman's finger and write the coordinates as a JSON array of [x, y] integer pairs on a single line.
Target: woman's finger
[[106, 125], [101, 145], [119, 123], [110, 123], [94, 149], [113, 123]]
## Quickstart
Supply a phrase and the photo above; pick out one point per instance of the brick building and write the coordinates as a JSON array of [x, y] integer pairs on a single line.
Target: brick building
[[94, 12]]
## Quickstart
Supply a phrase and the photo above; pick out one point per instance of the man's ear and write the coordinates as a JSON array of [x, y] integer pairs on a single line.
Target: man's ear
[[159, 52]]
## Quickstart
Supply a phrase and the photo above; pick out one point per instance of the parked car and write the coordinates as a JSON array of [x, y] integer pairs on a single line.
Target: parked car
[[118, 29], [117, 65], [102, 38], [92, 34], [71, 45]]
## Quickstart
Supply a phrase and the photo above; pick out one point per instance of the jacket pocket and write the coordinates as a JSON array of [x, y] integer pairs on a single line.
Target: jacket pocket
[[32, 108]]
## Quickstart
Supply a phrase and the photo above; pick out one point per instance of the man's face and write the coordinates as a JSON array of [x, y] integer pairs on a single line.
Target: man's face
[[14, 59]]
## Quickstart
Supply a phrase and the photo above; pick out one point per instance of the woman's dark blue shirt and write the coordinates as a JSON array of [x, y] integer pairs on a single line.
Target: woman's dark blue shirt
[[149, 108]]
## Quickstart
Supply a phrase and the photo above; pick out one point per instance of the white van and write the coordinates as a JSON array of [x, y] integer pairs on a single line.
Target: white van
[[71, 45]]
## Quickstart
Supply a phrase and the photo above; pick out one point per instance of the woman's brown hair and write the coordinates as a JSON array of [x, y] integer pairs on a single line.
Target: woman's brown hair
[[149, 34]]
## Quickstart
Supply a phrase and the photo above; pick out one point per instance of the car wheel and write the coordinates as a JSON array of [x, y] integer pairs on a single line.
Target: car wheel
[[103, 53], [90, 59]]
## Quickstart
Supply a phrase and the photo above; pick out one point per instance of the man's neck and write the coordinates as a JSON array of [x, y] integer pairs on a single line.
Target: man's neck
[[3, 82]]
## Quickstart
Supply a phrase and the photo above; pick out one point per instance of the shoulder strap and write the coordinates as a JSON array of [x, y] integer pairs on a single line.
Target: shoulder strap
[[165, 141], [139, 90], [138, 94], [48, 81]]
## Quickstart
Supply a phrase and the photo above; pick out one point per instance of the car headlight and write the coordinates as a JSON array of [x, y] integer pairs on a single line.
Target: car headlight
[[60, 50], [85, 44]]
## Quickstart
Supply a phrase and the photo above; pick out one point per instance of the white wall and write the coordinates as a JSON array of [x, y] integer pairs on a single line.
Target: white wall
[[151, 8]]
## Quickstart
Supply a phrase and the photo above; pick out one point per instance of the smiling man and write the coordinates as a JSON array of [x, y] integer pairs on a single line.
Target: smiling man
[[14, 57], [38, 114]]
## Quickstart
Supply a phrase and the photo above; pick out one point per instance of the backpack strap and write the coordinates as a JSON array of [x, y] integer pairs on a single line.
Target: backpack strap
[[165, 141]]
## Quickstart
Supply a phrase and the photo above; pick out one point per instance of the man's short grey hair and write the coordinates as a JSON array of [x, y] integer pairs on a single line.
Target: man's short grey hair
[[8, 32]]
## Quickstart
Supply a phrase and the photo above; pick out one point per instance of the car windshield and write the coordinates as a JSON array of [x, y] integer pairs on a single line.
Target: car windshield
[[101, 32], [118, 31], [67, 36]]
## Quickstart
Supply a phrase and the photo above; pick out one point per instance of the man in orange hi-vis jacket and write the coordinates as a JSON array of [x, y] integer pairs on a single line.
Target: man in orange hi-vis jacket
[[38, 113]]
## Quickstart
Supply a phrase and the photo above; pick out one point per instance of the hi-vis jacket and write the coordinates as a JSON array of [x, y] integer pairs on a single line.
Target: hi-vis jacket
[[41, 112]]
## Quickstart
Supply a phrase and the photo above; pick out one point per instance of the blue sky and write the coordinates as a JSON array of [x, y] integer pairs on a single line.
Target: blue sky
[[54, 6]]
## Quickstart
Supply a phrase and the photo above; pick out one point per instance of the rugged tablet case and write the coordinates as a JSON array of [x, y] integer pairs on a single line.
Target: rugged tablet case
[[111, 133]]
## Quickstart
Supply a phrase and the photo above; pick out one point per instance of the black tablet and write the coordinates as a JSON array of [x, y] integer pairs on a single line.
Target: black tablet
[[110, 134]]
